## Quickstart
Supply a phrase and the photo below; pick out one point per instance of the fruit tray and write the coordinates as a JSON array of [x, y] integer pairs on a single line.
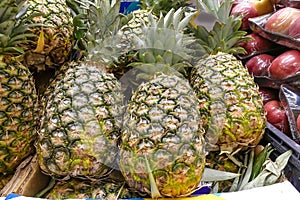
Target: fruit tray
[[281, 144]]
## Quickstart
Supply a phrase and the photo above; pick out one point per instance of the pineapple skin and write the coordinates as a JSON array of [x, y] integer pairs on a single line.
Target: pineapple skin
[[231, 107], [161, 126], [79, 189], [4, 179], [80, 125], [18, 113], [53, 48]]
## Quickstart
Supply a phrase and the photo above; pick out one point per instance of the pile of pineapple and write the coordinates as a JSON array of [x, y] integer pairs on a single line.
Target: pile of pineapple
[[121, 106]]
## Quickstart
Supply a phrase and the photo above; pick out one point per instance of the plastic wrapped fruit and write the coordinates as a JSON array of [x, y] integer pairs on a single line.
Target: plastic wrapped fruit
[[290, 3], [257, 45], [277, 116], [285, 65], [298, 123], [294, 30], [281, 20], [259, 65], [290, 98]]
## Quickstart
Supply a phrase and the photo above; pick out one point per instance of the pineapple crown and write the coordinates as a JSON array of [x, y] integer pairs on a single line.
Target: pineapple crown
[[162, 6], [225, 33], [164, 45], [12, 32], [97, 23]]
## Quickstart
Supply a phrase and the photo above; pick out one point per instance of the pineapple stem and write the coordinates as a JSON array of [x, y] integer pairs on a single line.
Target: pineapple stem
[[154, 189]]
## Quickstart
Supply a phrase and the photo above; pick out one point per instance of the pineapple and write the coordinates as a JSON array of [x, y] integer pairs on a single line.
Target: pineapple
[[162, 147], [18, 98], [4, 179], [139, 18], [78, 189], [231, 107], [82, 107], [158, 7], [53, 38]]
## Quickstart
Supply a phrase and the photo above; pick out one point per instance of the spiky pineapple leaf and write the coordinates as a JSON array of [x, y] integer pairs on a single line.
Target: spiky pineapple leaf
[[158, 7], [212, 175], [219, 9], [12, 33], [225, 34]]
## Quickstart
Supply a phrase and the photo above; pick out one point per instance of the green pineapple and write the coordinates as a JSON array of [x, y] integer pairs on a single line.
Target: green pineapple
[[82, 107], [18, 98], [162, 148], [231, 107], [78, 189], [53, 34]]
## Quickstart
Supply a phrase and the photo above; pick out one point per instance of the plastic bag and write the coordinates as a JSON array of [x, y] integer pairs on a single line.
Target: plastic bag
[[290, 97]]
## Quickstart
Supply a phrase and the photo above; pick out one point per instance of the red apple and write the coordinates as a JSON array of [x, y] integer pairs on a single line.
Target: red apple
[[281, 20], [285, 65], [268, 94], [276, 115], [259, 65], [298, 123], [257, 44], [294, 30], [247, 10]]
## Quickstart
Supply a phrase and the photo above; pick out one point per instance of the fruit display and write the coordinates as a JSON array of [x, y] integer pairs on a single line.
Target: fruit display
[[272, 70], [99, 102]]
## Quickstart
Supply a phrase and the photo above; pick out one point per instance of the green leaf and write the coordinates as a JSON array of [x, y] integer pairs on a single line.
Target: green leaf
[[154, 189], [168, 57], [185, 21], [271, 171], [260, 160], [177, 17], [247, 175], [211, 175], [283, 159], [148, 57]]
